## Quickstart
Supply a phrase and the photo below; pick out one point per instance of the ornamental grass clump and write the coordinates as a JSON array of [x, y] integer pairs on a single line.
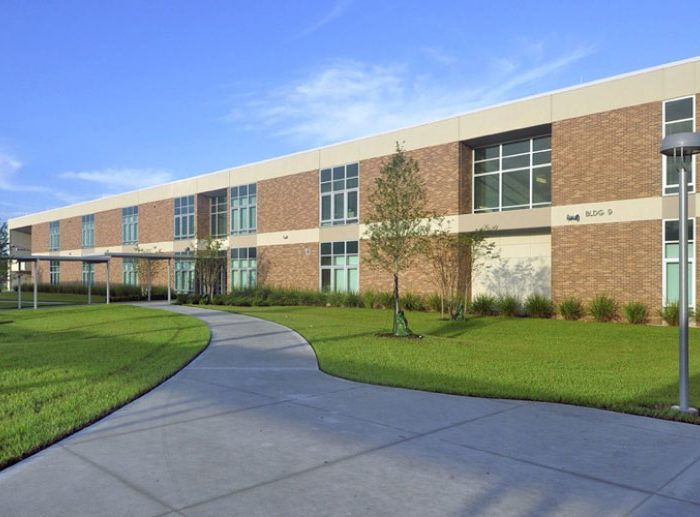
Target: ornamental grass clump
[[508, 306], [484, 305], [603, 308], [539, 306], [571, 309], [636, 313], [671, 314]]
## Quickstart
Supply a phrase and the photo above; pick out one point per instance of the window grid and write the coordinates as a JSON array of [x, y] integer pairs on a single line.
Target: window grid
[[184, 218], [130, 225], [671, 267], [244, 269], [244, 209], [54, 272], [87, 239], [88, 273], [129, 271], [54, 235], [339, 194], [339, 266], [678, 116], [512, 175], [184, 273], [218, 214]]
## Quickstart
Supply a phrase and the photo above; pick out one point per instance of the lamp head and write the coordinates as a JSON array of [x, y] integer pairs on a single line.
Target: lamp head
[[681, 144]]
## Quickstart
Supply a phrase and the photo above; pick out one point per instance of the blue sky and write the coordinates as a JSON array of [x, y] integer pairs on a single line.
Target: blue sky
[[103, 97]]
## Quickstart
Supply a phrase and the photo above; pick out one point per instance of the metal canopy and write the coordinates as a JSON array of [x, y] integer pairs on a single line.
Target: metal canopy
[[149, 256], [60, 258], [681, 144]]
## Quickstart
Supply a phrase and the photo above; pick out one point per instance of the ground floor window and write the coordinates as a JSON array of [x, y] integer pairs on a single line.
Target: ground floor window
[[244, 267], [339, 266], [54, 272], [671, 272], [88, 273], [184, 275], [129, 272]]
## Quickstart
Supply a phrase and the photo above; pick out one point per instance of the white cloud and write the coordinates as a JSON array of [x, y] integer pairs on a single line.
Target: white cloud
[[121, 178], [337, 10], [9, 167], [347, 99]]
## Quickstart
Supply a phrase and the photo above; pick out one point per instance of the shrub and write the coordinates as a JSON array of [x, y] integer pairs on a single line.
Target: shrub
[[539, 306], [483, 305], [182, 299], [508, 306], [434, 303], [603, 308], [636, 313], [571, 309], [671, 315], [412, 302]]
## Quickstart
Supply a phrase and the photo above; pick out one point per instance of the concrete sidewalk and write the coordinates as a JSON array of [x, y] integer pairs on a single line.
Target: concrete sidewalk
[[253, 428]]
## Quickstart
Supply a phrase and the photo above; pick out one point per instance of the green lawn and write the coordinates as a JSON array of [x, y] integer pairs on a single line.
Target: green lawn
[[8, 299], [61, 369], [628, 368]]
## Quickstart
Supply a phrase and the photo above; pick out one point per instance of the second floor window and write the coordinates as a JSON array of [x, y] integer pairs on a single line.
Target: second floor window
[[679, 117], [130, 225], [54, 236], [218, 213], [88, 231], [513, 175], [244, 209], [184, 217], [339, 189]]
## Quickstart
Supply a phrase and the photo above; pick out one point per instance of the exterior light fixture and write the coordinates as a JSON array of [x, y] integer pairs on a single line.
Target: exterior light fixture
[[680, 146]]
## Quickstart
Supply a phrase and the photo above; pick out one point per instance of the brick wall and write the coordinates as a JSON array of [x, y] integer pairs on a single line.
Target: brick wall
[[288, 203], [108, 228], [156, 221], [622, 260], [607, 156], [417, 279], [202, 217], [71, 230], [289, 265], [40, 238]]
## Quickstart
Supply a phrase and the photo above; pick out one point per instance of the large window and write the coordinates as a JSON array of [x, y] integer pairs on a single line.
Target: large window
[[184, 217], [130, 225], [243, 209], [244, 268], [218, 215], [184, 273], [54, 235], [339, 266], [679, 117], [54, 272], [88, 273], [339, 191], [129, 271], [87, 239], [513, 175], [671, 272]]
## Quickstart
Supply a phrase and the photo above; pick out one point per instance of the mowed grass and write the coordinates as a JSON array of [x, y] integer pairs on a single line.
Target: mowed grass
[[8, 299], [627, 368], [62, 368]]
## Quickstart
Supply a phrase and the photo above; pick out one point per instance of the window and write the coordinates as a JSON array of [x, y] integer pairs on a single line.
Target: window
[[54, 236], [218, 216], [184, 218], [243, 209], [129, 271], [88, 273], [671, 272], [184, 273], [339, 266], [244, 268], [88, 231], [54, 272], [130, 225], [513, 175], [339, 191], [679, 117]]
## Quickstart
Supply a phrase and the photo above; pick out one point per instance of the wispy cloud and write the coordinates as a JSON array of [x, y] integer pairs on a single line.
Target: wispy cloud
[[347, 99], [9, 167], [338, 9], [121, 178]]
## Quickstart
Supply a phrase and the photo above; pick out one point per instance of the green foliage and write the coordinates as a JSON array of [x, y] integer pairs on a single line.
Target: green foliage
[[603, 308], [671, 314], [539, 306], [508, 306], [413, 302], [636, 313], [434, 302], [483, 305], [571, 309], [4, 251], [117, 292]]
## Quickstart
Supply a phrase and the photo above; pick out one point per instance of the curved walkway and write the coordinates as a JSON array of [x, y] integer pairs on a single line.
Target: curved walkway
[[252, 427]]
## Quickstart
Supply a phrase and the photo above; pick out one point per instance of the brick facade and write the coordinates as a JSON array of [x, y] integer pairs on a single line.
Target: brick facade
[[290, 265], [288, 203], [418, 279], [40, 238], [108, 228], [156, 221]]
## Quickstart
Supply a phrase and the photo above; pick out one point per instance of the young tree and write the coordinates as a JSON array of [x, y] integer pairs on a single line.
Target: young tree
[[397, 223], [210, 263], [147, 270]]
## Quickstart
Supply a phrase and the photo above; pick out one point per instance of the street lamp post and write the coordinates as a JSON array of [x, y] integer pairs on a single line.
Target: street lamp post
[[679, 147]]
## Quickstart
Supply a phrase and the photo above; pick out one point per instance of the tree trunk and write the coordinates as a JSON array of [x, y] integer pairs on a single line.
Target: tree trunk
[[396, 295]]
